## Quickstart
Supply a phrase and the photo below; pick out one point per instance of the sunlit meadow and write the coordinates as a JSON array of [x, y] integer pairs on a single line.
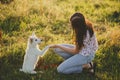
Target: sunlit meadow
[[49, 19]]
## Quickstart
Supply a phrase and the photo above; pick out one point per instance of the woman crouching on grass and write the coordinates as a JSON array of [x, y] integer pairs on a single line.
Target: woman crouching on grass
[[81, 54]]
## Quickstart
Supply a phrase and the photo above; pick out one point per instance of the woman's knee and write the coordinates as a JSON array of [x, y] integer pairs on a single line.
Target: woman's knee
[[60, 69]]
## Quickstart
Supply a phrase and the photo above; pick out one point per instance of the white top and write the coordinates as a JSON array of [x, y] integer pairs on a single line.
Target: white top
[[90, 45]]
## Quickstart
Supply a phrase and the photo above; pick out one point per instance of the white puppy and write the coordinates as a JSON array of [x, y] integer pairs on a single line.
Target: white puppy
[[32, 54]]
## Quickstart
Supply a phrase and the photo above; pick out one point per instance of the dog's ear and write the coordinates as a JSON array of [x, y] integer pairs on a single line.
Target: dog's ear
[[31, 40], [33, 34]]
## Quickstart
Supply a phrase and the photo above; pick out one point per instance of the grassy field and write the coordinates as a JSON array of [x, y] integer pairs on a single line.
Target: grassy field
[[50, 20]]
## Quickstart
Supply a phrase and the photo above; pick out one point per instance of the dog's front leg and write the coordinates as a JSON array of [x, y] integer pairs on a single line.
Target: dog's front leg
[[44, 50]]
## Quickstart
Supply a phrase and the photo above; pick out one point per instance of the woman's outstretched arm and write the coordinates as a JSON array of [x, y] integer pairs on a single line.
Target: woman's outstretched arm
[[66, 49]]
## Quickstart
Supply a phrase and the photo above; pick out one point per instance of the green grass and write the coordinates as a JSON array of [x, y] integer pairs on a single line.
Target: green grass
[[50, 20]]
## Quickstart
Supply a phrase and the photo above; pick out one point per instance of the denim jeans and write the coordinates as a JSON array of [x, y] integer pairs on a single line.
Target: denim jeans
[[72, 63]]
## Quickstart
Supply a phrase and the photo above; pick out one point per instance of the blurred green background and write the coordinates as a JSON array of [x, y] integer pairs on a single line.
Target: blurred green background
[[50, 20]]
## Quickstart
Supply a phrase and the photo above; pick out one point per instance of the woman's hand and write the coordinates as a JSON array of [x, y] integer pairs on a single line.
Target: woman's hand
[[54, 46], [66, 49]]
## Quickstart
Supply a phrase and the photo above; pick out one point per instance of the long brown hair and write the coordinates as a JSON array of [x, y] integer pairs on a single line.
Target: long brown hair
[[80, 27]]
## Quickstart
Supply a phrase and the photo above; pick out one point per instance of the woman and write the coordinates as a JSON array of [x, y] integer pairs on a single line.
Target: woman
[[81, 54]]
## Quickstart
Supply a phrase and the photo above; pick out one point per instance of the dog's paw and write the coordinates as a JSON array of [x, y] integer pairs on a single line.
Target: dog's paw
[[47, 47], [33, 72], [50, 45]]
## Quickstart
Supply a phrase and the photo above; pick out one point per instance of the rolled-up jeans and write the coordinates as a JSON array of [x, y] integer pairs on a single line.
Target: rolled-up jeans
[[73, 62]]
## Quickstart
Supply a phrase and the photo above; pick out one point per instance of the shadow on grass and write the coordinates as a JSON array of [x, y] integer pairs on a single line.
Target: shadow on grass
[[10, 71], [11, 63]]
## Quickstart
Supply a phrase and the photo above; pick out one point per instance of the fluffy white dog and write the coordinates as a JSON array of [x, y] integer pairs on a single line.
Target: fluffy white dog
[[32, 54]]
